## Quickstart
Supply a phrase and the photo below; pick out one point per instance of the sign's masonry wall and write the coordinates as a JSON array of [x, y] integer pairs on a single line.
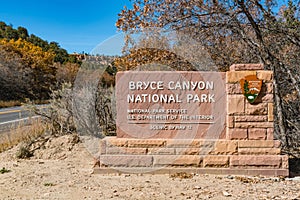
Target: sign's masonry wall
[[248, 147], [244, 120], [252, 125]]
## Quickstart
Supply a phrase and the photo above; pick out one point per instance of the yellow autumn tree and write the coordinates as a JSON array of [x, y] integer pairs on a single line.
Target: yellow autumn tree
[[32, 56], [35, 64]]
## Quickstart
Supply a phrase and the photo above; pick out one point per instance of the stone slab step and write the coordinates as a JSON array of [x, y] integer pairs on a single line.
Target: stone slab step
[[220, 171], [207, 161]]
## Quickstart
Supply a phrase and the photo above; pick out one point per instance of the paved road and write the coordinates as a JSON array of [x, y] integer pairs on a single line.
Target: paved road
[[12, 117]]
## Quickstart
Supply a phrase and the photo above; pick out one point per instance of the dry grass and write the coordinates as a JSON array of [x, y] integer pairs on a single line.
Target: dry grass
[[7, 104], [22, 133]]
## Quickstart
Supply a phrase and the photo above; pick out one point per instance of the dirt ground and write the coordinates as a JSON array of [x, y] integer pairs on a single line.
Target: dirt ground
[[63, 170]]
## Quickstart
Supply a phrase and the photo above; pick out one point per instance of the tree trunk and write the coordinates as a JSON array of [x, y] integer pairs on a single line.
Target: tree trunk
[[294, 81], [278, 110]]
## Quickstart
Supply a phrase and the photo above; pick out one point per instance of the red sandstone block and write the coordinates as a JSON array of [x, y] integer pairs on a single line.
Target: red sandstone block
[[184, 143], [258, 109], [188, 151], [126, 150], [161, 151], [270, 133], [265, 75], [254, 125], [285, 161], [116, 142], [257, 133], [277, 143], [176, 160], [269, 88], [259, 160], [267, 172], [235, 104], [233, 88], [230, 121], [239, 67], [258, 143], [206, 147], [102, 147], [270, 112], [146, 143], [268, 98], [222, 136], [225, 147], [251, 118], [188, 160], [173, 170], [237, 134], [216, 161], [114, 150], [126, 160], [236, 76], [259, 151]]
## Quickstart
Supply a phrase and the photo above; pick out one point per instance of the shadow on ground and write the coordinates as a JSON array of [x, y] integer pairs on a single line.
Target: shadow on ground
[[294, 167]]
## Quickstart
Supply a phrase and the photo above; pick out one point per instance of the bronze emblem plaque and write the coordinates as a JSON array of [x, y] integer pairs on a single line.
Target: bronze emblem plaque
[[251, 87]]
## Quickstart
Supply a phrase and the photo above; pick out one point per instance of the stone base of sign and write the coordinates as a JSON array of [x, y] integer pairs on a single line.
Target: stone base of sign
[[156, 156], [217, 171], [247, 148]]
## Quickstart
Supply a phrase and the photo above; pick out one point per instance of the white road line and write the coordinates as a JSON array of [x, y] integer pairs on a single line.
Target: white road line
[[18, 120]]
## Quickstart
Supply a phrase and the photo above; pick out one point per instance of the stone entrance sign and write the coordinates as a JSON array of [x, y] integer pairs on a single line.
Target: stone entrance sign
[[171, 104], [196, 122]]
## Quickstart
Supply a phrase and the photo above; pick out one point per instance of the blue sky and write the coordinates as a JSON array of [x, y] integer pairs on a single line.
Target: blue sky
[[76, 25]]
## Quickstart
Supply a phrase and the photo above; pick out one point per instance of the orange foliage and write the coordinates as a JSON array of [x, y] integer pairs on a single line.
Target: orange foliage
[[144, 56]]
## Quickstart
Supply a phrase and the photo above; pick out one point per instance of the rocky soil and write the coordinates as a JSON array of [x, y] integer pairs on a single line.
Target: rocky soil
[[63, 168]]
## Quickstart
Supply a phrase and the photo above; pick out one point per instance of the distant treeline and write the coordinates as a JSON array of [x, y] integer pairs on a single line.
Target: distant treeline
[[9, 33]]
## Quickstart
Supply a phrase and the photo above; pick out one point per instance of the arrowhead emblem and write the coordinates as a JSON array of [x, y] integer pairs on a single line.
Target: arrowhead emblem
[[251, 87]]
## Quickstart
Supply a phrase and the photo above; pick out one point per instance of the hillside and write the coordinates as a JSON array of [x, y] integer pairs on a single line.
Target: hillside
[[30, 66]]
